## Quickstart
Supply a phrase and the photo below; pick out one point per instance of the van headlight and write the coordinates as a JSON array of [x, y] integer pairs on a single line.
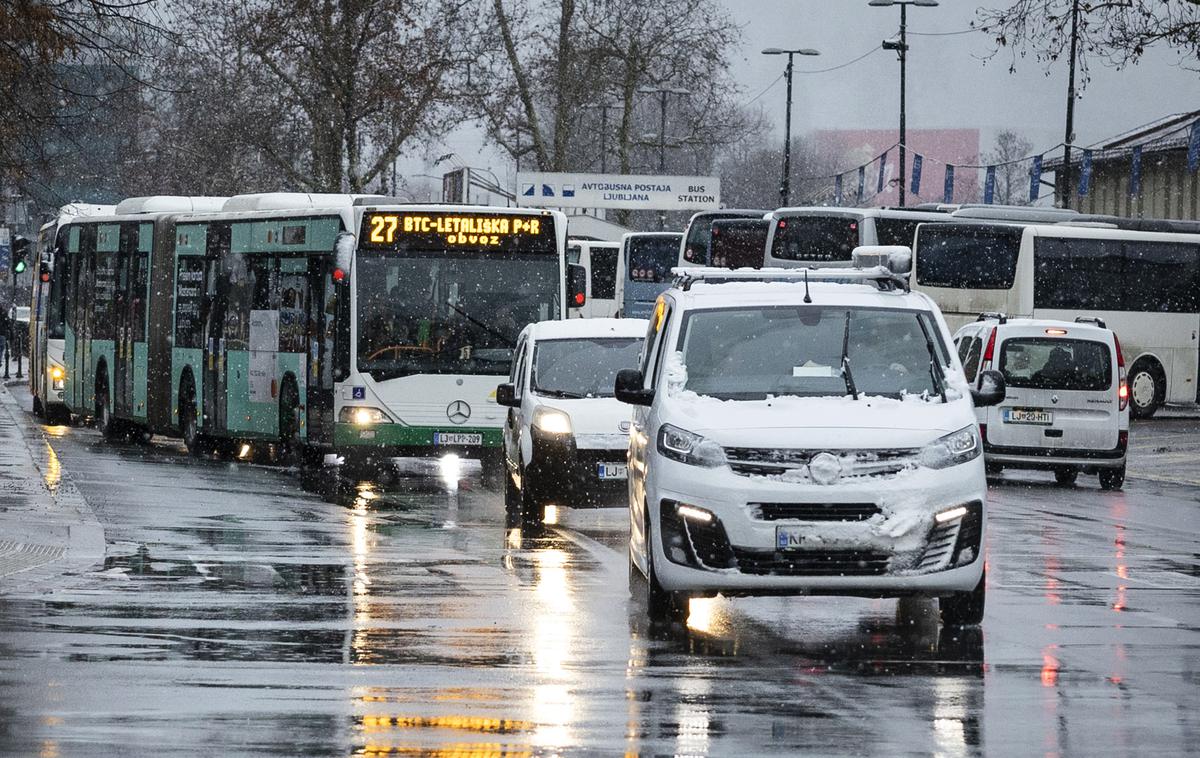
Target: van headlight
[[362, 415], [689, 447], [953, 449], [551, 420]]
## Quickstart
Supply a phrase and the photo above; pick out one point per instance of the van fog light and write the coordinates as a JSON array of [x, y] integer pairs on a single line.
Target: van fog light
[[694, 514], [950, 515]]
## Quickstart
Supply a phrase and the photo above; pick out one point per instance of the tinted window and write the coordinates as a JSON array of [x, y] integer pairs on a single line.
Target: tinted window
[[651, 258], [573, 254], [815, 238], [896, 231], [695, 250], [1058, 364], [582, 367], [968, 353], [968, 256], [1100, 274], [604, 272], [104, 296], [739, 243]]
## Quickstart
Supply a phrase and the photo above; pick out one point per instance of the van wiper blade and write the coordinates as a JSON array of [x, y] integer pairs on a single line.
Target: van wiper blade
[[935, 367], [564, 394], [846, 373]]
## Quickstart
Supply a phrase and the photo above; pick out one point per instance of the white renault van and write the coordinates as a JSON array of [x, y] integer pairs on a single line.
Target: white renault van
[[1066, 408], [804, 432]]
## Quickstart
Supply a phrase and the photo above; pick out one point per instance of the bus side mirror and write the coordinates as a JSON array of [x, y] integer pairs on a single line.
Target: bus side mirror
[[343, 255], [991, 390], [506, 395], [576, 285], [629, 388]]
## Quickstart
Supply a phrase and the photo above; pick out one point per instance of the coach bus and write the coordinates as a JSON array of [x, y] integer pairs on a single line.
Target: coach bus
[[820, 236], [47, 370], [1144, 285], [318, 324]]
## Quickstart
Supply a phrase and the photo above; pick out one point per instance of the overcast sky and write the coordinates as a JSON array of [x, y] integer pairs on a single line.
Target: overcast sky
[[950, 82]]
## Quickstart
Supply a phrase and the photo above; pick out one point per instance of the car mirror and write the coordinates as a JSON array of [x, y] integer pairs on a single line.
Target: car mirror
[[506, 395], [991, 390], [629, 388]]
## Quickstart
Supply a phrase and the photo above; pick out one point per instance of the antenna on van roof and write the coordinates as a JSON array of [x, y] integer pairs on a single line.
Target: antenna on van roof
[[807, 297]]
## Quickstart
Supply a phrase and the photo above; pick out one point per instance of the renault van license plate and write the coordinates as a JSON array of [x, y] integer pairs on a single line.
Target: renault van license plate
[[457, 438], [612, 471], [1028, 416], [788, 538]]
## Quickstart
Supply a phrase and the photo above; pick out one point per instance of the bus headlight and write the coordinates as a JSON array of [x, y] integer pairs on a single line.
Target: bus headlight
[[58, 377], [362, 415]]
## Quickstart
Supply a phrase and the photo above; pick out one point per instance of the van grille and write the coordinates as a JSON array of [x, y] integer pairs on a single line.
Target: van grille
[[812, 562], [757, 461], [813, 511]]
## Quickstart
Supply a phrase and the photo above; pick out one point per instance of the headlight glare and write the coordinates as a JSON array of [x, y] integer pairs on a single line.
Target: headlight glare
[[689, 447], [551, 420], [362, 415], [953, 449]]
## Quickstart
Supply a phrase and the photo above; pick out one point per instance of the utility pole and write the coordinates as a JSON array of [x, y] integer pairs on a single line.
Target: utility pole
[[1069, 137], [662, 93], [785, 185]]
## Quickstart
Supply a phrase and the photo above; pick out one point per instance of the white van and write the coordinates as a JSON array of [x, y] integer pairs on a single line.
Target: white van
[[1066, 408], [605, 276], [804, 433]]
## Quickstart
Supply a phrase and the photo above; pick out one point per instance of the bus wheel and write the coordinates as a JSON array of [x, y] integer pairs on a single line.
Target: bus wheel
[[290, 444], [1147, 389]]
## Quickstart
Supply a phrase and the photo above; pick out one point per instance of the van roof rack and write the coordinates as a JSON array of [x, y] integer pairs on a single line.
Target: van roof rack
[[879, 276], [993, 316], [1091, 320]]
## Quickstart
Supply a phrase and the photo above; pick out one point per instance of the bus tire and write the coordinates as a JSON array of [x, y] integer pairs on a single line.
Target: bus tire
[[1147, 388], [189, 425], [290, 444]]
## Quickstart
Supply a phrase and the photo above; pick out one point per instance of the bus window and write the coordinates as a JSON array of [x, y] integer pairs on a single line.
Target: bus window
[[815, 238], [651, 258], [574, 253], [189, 296], [968, 256], [1115, 275], [104, 292], [895, 231], [695, 250], [293, 298], [738, 243], [604, 273]]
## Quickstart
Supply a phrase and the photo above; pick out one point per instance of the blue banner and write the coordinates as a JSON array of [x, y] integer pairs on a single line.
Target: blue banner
[[1194, 148], [916, 178], [948, 193], [837, 190], [882, 166], [862, 179], [989, 185], [1035, 178], [1135, 172], [1085, 173]]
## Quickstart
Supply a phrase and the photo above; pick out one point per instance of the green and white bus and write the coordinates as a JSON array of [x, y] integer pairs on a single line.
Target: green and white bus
[[348, 327]]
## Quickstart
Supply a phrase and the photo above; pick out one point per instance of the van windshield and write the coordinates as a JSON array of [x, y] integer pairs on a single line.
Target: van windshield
[[756, 352], [1056, 364], [583, 367]]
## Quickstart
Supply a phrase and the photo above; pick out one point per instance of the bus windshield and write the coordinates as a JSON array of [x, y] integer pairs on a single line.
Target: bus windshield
[[968, 256], [652, 258], [815, 238], [738, 243], [429, 312]]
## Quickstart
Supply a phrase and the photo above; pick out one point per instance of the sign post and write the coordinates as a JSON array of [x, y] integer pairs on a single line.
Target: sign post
[[618, 191]]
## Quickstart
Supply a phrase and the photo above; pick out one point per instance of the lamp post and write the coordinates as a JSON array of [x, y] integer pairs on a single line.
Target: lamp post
[[901, 47], [785, 186], [662, 93]]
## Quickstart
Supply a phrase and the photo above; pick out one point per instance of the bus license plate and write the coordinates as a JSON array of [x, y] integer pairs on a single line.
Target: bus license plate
[[613, 470], [457, 438], [788, 538], [1028, 416]]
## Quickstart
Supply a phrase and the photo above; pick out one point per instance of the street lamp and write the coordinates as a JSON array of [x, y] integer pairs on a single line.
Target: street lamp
[[785, 187], [901, 47], [662, 93]]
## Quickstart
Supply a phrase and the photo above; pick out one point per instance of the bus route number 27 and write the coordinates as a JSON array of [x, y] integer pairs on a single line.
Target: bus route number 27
[[383, 228]]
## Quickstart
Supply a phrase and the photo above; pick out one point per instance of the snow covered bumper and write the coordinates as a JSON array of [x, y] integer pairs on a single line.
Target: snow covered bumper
[[918, 531]]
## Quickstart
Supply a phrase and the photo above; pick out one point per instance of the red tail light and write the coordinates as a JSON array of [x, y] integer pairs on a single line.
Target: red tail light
[[1122, 386], [990, 350], [580, 298]]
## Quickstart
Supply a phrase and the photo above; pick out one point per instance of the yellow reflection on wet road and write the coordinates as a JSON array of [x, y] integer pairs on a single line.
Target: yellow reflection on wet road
[[554, 624], [52, 475]]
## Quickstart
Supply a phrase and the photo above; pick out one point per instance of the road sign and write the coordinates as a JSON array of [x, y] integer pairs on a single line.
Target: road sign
[[630, 191]]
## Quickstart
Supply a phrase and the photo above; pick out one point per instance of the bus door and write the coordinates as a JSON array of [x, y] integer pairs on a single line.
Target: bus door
[[217, 300], [85, 290], [322, 307], [122, 373]]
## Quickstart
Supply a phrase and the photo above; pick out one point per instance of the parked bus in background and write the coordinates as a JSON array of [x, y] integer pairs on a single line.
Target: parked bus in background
[[47, 369], [827, 236], [605, 273], [648, 258], [738, 242], [695, 247], [1145, 286]]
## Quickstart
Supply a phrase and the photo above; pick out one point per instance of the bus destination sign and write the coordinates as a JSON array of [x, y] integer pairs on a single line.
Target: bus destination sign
[[460, 231]]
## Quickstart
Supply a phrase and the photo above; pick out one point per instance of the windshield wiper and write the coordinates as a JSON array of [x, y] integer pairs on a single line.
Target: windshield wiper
[[480, 324], [935, 367], [846, 373], [566, 394]]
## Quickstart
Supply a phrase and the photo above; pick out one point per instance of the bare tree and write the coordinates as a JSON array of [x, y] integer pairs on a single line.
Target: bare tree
[[1012, 172]]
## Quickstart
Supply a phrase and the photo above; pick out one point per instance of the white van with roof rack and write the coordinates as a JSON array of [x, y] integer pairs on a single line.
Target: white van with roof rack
[[1066, 407], [805, 431]]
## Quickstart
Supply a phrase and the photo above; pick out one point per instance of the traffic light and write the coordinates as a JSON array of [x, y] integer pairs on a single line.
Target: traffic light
[[20, 254]]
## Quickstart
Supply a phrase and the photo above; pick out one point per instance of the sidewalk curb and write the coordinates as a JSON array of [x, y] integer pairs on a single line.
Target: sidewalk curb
[[61, 534]]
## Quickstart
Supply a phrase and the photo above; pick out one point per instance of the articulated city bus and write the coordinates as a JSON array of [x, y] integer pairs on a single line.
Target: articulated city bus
[[322, 324], [47, 319], [1145, 286]]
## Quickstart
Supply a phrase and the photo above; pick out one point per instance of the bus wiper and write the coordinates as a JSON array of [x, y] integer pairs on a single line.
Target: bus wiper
[[480, 324], [846, 373], [935, 367]]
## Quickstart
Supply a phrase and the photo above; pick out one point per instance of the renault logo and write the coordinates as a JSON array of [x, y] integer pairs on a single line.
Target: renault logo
[[458, 412], [1054, 399]]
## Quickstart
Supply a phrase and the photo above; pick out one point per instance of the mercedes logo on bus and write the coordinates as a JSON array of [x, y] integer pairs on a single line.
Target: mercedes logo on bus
[[458, 412]]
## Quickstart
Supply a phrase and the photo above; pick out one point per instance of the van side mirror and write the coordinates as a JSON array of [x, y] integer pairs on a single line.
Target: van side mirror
[[576, 285], [629, 388], [506, 395], [991, 389]]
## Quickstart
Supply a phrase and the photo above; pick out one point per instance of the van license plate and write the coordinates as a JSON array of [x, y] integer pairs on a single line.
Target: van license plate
[[457, 438], [1027, 416], [612, 471], [788, 538]]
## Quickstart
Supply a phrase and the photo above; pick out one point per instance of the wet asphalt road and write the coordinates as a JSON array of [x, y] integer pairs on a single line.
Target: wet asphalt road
[[235, 614]]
